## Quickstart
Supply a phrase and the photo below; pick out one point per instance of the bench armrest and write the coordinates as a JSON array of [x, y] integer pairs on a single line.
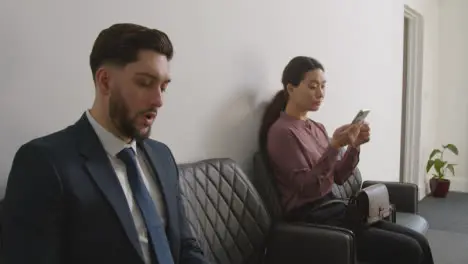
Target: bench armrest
[[403, 195]]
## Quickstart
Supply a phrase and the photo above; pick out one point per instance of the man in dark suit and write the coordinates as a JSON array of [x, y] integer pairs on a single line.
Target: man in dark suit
[[100, 191]]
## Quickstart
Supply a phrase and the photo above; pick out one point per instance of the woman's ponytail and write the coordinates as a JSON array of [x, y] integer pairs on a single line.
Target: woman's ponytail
[[271, 114]]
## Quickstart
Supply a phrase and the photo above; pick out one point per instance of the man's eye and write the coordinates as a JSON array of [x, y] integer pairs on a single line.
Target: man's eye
[[164, 87], [144, 83]]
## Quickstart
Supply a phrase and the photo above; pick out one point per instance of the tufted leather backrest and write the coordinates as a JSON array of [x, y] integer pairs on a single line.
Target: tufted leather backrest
[[224, 211], [351, 186], [264, 181]]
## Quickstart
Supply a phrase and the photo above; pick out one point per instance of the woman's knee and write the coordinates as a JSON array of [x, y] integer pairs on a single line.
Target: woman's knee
[[420, 238], [411, 251], [385, 245]]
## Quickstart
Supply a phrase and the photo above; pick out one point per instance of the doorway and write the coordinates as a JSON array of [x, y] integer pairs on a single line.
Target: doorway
[[410, 150]]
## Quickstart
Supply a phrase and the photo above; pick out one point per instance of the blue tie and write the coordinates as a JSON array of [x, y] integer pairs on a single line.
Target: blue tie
[[157, 235]]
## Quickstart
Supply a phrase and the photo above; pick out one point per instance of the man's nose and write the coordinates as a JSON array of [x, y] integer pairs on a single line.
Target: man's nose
[[157, 97]]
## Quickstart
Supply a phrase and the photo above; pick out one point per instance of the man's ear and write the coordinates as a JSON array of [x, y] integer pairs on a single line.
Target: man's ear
[[103, 80]]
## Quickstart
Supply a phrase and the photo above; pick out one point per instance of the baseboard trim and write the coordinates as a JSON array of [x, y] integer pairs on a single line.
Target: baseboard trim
[[458, 184], [422, 195]]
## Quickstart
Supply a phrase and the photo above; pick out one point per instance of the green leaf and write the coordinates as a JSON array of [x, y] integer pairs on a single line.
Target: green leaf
[[452, 148], [434, 152], [429, 165], [451, 168], [438, 165]]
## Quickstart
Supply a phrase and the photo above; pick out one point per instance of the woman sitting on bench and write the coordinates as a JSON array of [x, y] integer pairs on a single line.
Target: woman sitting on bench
[[305, 165]]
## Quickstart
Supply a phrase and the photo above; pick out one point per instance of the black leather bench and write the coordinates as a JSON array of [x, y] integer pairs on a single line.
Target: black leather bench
[[233, 226]]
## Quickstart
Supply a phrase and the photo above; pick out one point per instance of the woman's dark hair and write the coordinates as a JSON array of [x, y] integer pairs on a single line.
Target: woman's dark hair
[[293, 74]]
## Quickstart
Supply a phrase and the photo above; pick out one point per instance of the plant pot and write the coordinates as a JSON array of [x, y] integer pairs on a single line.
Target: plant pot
[[439, 187]]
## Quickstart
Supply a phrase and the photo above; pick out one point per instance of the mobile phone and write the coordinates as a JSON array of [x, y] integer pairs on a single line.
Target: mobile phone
[[361, 116]]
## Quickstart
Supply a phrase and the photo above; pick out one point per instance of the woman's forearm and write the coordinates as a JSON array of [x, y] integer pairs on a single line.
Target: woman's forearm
[[344, 168]]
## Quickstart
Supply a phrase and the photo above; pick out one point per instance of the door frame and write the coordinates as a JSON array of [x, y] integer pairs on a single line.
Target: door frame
[[412, 100]]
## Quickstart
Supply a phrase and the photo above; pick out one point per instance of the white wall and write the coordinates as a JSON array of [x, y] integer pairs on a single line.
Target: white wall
[[453, 83], [228, 61]]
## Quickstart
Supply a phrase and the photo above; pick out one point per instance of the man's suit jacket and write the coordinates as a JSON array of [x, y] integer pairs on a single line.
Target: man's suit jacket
[[64, 204]]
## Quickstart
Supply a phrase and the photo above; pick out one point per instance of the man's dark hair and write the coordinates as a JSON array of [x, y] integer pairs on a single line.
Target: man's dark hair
[[120, 44]]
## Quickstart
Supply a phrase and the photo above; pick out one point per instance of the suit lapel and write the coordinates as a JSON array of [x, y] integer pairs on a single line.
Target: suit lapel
[[161, 175], [101, 171]]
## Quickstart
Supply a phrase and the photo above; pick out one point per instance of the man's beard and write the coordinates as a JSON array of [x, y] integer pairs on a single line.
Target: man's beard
[[120, 118]]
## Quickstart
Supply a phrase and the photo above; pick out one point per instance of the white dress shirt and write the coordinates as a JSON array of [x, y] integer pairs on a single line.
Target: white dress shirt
[[113, 145]]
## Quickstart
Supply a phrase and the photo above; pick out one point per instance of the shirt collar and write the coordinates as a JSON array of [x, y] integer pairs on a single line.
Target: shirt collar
[[291, 119], [112, 144], [308, 123]]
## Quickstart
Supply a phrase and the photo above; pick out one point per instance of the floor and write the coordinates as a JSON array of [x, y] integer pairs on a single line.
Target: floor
[[448, 222]]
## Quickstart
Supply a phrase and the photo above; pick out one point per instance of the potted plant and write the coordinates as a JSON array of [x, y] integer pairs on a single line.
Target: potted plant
[[438, 183]]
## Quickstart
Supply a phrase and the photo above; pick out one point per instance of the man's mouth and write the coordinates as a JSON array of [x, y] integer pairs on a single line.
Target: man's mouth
[[149, 118]]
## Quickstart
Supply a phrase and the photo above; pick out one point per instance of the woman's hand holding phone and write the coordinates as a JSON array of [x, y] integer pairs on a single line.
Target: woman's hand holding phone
[[354, 134], [345, 135], [363, 136]]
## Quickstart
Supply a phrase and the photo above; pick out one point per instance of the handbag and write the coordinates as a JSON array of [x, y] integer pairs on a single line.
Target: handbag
[[370, 205]]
